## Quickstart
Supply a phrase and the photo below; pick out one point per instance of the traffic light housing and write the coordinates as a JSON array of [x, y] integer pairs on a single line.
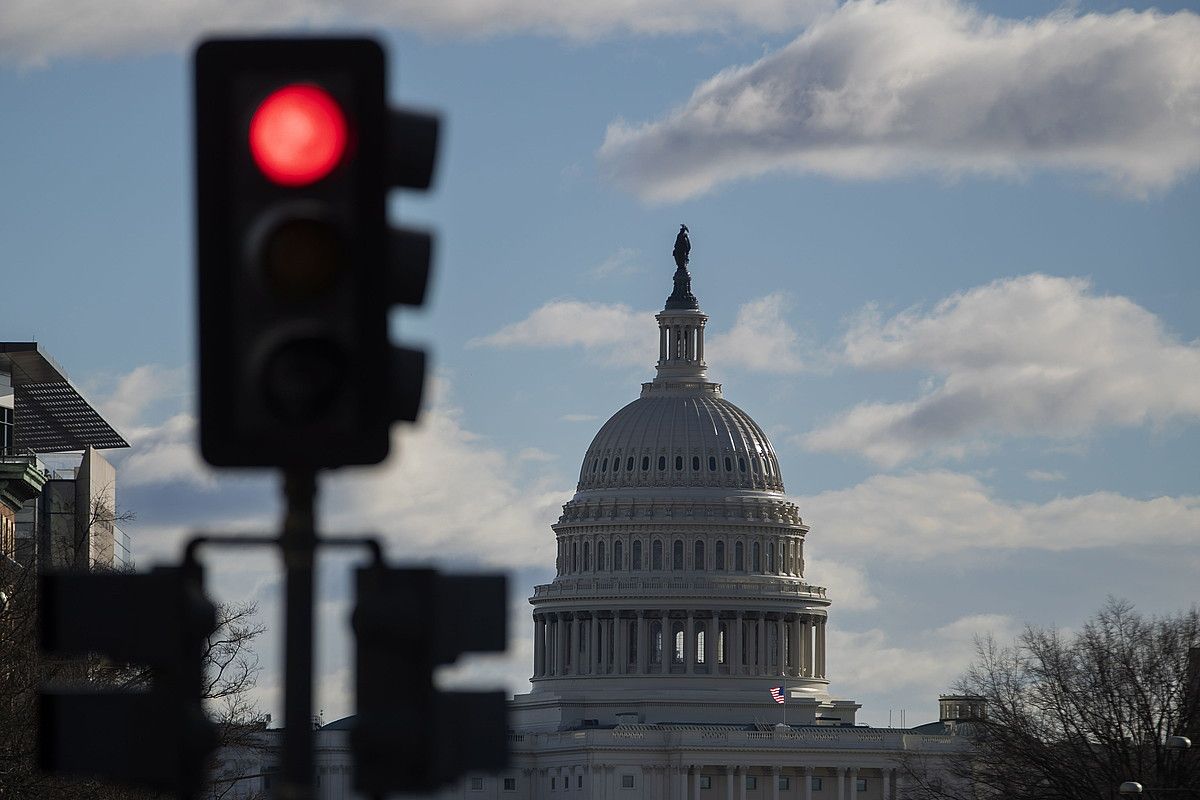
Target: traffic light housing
[[408, 736], [296, 150], [157, 736]]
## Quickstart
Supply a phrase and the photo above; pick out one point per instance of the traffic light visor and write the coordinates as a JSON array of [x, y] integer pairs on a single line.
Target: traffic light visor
[[298, 135]]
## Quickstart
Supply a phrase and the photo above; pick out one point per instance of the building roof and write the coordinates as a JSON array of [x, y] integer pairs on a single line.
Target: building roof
[[49, 413]]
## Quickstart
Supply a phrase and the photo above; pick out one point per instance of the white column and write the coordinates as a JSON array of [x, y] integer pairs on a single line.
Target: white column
[[821, 647], [806, 651], [576, 650], [712, 634], [774, 783], [741, 783], [852, 783], [730, 780], [593, 646], [780, 642], [700, 343], [696, 782], [689, 643], [761, 627], [841, 783], [537, 646], [641, 643], [797, 634], [737, 645], [620, 641], [806, 776]]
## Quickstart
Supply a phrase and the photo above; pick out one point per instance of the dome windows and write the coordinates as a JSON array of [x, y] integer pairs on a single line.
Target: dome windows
[[604, 466], [678, 463], [712, 463], [719, 555], [618, 554], [645, 463], [741, 464], [698, 556], [637, 556], [677, 555], [662, 462], [695, 463], [728, 464], [629, 464], [656, 555]]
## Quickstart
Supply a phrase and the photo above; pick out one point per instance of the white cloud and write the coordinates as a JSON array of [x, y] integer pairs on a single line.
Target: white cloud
[[1044, 475], [626, 261], [34, 32], [931, 515], [926, 662], [1035, 355], [445, 493], [878, 89], [614, 332], [535, 454], [847, 584], [762, 339]]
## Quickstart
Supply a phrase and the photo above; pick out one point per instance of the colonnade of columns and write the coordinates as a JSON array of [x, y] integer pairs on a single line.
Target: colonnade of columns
[[687, 782], [687, 641], [681, 341]]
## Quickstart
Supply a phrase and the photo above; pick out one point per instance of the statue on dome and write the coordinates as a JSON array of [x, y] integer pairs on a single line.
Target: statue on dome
[[683, 247]]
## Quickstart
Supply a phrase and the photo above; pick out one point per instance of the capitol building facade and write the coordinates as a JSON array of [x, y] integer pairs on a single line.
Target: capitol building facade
[[680, 603]]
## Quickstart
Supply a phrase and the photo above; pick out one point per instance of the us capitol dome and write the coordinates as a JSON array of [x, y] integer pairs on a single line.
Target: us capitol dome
[[680, 593]]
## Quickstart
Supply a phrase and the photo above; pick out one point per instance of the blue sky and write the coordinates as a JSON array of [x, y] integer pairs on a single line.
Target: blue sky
[[949, 260]]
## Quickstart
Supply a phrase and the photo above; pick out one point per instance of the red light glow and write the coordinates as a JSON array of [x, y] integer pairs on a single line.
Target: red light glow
[[298, 135]]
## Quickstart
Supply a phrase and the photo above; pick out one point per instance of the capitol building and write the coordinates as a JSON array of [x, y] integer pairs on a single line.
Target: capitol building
[[679, 618]]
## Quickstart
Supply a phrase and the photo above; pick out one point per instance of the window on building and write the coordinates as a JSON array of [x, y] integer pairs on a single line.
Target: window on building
[[656, 555], [618, 555], [728, 464], [816, 783], [6, 430], [739, 557], [626, 781], [662, 462], [695, 463], [510, 784], [579, 781], [574, 556], [600, 556], [721, 630], [741, 464], [604, 465], [476, 784], [705, 781], [656, 637], [757, 557], [860, 784], [677, 635], [637, 555], [770, 558], [678, 462], [616, 463], [698, 555], [677, 554], [645, 463], [719, 556], [751, 782], [629, 464], [712, 463], [587, 553], [553, 784], [700, 646], [785, 783]]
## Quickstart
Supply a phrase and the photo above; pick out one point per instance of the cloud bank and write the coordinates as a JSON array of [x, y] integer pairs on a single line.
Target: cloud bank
[[879, 89], [33, 32], [1034, 355], [923, 516]]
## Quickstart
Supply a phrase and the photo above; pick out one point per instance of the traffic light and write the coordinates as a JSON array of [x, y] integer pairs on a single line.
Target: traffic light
[[158, 736], [408, 736], [296, 150]]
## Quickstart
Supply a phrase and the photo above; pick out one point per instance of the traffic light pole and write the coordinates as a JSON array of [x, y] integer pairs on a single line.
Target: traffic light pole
[[298, 543]]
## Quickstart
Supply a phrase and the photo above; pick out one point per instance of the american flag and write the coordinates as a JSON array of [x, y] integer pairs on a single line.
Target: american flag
[[777, 694]]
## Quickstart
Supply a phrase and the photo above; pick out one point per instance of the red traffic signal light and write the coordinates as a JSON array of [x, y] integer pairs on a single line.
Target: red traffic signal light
[[298, 135]]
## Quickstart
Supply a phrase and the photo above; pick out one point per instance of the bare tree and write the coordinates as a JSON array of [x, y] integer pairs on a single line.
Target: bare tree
[[1073, 715]]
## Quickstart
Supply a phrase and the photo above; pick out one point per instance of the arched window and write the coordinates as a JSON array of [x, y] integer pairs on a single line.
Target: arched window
[[712, 463], [629, 464], [698, 555], [631, 649], [722, 639], [770, 557], [662, 462], [741, 464], [695, 463], [677, 554], [719, 556], [677, 638], [574, 556], [616, 464], [739, 557], [757, 557], [645, 463], [637, 555], [604, 466], [700, 646], [678, 462], [595, 464], [656, 642], [728, 464], [600, 556], [618, 553], [656, 555], [587, 552]]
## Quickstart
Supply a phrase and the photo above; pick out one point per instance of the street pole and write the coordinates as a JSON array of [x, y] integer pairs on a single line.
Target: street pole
[[298, 542]]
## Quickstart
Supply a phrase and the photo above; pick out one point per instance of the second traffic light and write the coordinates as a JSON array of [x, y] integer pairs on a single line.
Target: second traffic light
[[296, 150]]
